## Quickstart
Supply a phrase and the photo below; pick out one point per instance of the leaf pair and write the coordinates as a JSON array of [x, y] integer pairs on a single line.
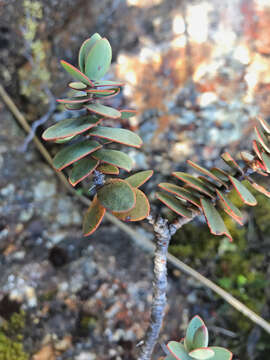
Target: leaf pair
[[195, 345], [122, 198]]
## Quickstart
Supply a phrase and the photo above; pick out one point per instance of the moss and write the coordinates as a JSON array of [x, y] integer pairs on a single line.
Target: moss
[[11, 346], [239, 269]]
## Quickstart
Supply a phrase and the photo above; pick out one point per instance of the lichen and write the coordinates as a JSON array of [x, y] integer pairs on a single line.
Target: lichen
[[11, 336]]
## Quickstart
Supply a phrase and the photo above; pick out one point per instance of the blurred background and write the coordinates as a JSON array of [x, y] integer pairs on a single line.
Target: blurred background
[[198, 73]]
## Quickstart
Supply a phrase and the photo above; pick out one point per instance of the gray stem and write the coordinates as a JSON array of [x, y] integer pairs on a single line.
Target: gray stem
[[163, 237], [163, 233]]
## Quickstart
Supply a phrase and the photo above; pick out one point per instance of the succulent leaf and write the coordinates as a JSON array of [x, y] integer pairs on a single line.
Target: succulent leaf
[[181, 192], [122, 136], [98, 60], [221, 353], [114, 157], [70, 127], [261, 189], [108, 83], [82, 169], [103, 110], [221, 174], [117, 195], [195, 323], [75, 152], [108, 169], [73, 106], [178, 351], [266, 161], [140, 211], [77, 85], [206, 172], [262, 139], [93, 217], [76, 73], [230, 208], [126, 114], [265, 125], [85, 48], [214, 220], [231, 162], [194, 183], [202, 353], [138, 179], [174, 204], [75, 100], [200, 337], [243, 192]]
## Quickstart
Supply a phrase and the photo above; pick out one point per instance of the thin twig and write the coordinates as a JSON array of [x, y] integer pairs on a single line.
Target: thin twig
[[140, 239]]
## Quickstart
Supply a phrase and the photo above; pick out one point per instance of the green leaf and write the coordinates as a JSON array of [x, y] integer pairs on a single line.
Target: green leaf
[[221, 353], [202, 354], [231, 162], [78, 85], [195, 323], [98, 60], [117, 195], [180, 192], [265, 125], [82, 169], [208, 183], [103, 110], [140, 211], [93, 217], [169, 357], [113, 93], [108, 83], [73, 106], [75, 100], [100, 92], [75, 152], [138, 179], [174, 204], [114, 157], [194, 183], [178, 350], [261, 189], [257, 149], [122, 136], [214, 220], [108, 169], [221, 174], [126, 114], [65, 140], [206, 172], [262, 139], [85, 48], [70, 127], [243, 192], [266, 161], [76, 73], [230, 208], [200, 337]]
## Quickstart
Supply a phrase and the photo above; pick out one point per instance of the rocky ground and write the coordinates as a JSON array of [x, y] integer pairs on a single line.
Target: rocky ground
[[84, 298]]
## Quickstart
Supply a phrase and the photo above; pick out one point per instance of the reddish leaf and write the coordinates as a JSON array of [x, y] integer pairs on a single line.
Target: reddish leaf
[[265, 125], [174, 204], [73, 71], [262, 139], [231, 162], [214, 220], [243, 192], [181, 192], [140, 211], [93, 217], [194, 183], [261, 189]]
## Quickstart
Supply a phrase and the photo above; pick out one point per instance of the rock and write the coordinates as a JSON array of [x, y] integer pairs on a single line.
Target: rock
[[44, 189]]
